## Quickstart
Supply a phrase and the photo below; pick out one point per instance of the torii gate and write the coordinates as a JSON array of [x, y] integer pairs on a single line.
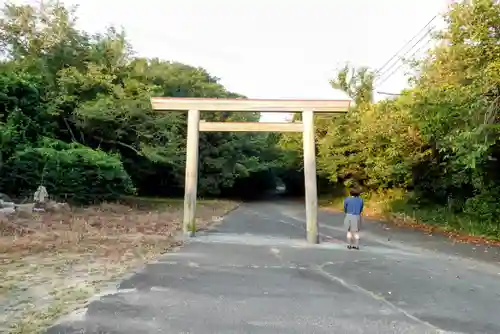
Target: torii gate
[[307, 107]]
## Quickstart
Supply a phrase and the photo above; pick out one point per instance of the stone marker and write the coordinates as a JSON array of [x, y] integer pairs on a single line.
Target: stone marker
[[40, 196]]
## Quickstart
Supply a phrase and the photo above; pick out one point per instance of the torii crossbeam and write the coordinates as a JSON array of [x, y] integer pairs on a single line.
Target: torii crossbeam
[[307, 107]]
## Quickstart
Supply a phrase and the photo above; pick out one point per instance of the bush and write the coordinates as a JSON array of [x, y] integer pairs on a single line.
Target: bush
[[484, 211], [70, 172]]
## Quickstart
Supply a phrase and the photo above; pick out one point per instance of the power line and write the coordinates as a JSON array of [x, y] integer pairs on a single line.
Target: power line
[[427, 43], [386, 93], [410, 49], [404, 46], [401, 65], [381, 81]]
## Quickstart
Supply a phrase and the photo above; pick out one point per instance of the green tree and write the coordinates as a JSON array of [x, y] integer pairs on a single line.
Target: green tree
[[439, 139], [66, 85]]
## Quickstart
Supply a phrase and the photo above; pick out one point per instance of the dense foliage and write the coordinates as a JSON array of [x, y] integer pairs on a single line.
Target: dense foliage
[[439, 140], [67, 171], [75, 115]]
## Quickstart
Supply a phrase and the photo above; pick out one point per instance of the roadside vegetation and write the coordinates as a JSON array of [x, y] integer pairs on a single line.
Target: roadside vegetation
[[430, 155]]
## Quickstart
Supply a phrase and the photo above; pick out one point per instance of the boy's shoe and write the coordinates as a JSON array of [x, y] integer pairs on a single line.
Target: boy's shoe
[[355, 247], [349, 246]]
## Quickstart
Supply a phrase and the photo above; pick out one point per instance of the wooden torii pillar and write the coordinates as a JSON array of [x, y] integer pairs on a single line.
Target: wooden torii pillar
[[307, 107]]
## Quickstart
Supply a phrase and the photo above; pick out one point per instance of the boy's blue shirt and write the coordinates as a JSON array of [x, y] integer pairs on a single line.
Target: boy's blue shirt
[[353, 205]]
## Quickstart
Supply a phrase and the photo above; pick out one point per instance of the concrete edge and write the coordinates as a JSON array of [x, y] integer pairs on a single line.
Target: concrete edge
[[181, 236]]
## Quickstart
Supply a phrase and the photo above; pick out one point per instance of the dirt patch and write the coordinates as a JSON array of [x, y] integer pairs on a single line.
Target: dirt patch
[[52, 263]]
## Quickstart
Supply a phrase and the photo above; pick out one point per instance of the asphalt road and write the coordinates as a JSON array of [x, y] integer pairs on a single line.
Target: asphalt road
[[254, 273]]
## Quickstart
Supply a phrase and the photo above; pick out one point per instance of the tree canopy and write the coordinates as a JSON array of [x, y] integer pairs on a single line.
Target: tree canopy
[[70, 99], [439, 140]]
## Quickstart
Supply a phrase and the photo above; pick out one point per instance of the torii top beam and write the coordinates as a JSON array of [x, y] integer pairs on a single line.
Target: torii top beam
[[249, 105]]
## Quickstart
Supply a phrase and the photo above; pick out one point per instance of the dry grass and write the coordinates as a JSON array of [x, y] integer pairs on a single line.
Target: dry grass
[[52, 263]]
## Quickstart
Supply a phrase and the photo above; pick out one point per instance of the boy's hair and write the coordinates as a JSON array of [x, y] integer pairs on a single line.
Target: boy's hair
[[354, 192]]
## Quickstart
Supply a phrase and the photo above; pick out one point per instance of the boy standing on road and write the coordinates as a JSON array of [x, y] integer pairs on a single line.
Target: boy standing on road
[[353, 207]]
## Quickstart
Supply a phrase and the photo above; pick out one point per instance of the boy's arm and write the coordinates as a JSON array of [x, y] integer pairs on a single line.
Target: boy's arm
[[361, 216], [345, 205]]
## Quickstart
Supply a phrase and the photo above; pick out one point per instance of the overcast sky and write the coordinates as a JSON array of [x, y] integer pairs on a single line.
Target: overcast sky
[[268, 48]]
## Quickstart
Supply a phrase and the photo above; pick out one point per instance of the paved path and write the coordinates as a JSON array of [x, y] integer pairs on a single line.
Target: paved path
[[254, 273]]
